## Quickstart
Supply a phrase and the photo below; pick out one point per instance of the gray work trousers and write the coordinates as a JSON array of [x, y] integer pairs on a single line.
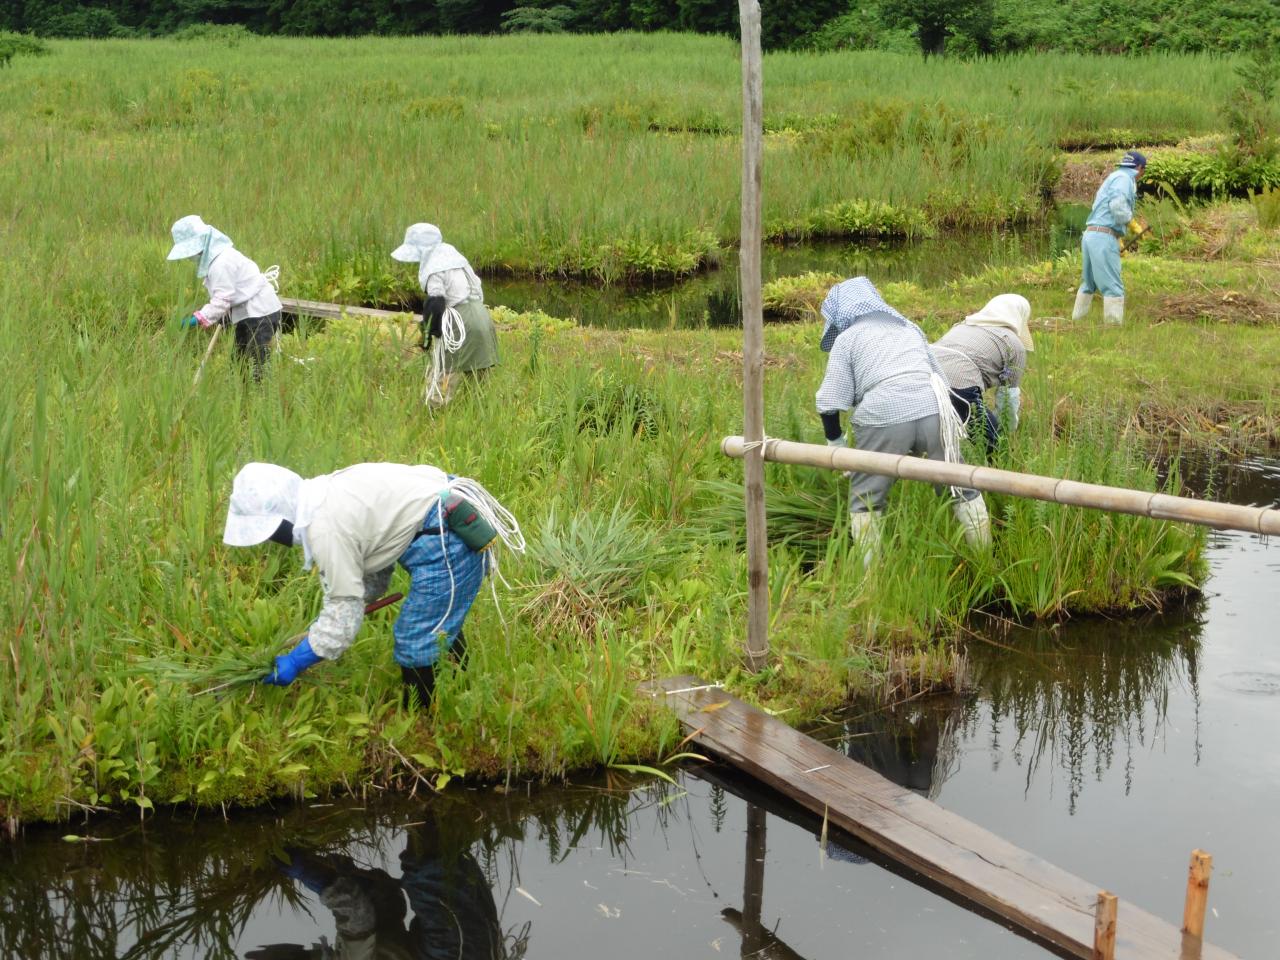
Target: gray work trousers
[[923, 437]]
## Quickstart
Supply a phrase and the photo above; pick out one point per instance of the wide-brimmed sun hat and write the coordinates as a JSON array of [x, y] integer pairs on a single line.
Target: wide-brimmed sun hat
[[419, 240], [262, 495], [190, 234]]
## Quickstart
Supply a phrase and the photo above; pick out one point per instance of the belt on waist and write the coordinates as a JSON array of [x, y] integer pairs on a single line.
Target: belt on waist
[[1114, 233], [428, 532]]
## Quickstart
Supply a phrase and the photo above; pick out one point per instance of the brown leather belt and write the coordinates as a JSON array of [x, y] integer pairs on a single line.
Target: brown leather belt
[[1114, 233]]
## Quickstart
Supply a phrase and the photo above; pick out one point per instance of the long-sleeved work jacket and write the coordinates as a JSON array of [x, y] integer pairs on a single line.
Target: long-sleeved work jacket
[[237, 287], [1113, 203], [367, 519]]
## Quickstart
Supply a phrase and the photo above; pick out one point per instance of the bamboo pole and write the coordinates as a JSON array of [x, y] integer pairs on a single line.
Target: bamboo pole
[[753, 336], [208, 352], [1197, 893], [1143, 503], [1104, 927]]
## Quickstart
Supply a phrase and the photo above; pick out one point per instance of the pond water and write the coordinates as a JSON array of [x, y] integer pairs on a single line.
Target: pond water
[[711, 298], [1112, 749]]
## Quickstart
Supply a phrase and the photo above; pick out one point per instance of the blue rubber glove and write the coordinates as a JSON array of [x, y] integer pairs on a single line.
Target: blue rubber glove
[[189, 321], [307, 870], [290, 665]]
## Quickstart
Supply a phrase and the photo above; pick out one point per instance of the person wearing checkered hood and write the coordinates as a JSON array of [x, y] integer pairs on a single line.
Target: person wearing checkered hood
[[881, 368]]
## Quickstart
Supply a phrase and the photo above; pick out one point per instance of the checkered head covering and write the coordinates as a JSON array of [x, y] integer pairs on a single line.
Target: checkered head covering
[[847, 301]]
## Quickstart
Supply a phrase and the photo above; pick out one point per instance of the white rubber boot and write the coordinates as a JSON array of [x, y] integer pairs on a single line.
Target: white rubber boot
[[864, 527], [975, 521], [1113, 310], [1083, 302]]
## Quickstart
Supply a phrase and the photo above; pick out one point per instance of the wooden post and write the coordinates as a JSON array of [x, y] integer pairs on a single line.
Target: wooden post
[[1104, 927], [753, 336], [1197, 893]]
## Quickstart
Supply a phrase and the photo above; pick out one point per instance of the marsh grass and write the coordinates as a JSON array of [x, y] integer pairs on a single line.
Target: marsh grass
[[1267, 204], [568, 165], [115, 471], [114, 572]]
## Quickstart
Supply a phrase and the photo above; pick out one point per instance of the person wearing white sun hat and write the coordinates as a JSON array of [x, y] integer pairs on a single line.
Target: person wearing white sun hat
[[354, 526], [457, 329], [988, 351], [240, 293]]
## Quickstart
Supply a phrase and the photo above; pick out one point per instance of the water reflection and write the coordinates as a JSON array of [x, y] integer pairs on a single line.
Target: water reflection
[[1086, 698], [711, 299], [1074, 701], [454, 916], [913, 745], [192, 888]]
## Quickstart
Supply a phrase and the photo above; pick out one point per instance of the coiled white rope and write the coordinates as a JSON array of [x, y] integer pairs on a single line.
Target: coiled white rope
[[498, 517], [453, 336], [950, 426]]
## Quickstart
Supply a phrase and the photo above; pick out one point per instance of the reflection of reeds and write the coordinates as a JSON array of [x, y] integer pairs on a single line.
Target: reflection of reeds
[[194, 884], [1085, 697], [1080, 697]]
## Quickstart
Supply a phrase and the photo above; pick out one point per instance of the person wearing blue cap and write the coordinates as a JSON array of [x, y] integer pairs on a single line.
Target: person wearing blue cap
[[1108, 220], [881, 369]]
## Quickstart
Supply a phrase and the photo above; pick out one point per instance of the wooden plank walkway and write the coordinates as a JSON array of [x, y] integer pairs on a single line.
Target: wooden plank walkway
[[335, 311], [961, 856]]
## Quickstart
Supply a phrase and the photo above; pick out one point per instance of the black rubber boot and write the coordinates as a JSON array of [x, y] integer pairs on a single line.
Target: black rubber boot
[[419, 684]]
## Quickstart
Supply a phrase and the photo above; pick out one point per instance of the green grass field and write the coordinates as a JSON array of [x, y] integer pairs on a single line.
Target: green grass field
[[537, 154], [603, 156]]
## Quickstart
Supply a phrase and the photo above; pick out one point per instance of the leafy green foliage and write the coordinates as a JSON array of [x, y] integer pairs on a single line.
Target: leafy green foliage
[[19, 45], [936, 20], [554, 19], [217, 34], [1222, 172]]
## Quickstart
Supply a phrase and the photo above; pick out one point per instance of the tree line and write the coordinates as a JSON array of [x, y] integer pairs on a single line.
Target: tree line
[[946, 27]]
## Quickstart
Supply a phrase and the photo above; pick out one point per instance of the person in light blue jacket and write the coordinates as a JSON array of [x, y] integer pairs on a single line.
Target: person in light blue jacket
[[1107, 223]]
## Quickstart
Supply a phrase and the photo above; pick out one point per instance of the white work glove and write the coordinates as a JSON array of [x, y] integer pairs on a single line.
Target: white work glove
[[840, 442], [1010, 399]]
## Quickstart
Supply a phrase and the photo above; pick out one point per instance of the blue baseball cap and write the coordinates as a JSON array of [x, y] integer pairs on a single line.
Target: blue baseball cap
[[1133, 160]]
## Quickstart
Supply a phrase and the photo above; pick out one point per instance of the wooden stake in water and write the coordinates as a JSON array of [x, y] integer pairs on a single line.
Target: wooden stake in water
[[1104, 927], [753, 336], [1197, 893]]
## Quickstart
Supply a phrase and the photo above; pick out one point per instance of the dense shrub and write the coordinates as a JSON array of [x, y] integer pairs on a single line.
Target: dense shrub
[[956, 27]]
